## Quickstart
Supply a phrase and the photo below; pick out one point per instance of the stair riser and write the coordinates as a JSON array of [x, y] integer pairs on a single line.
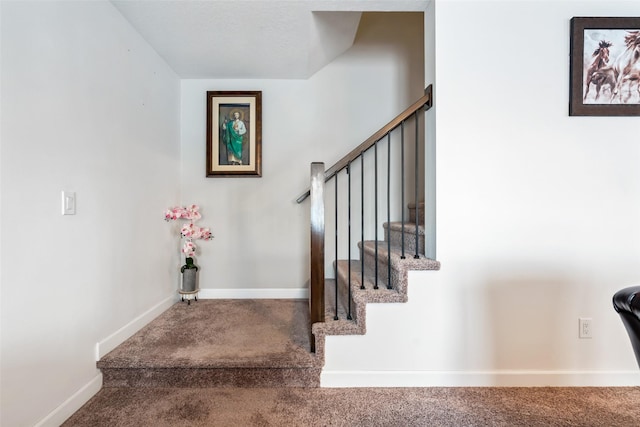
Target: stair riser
[[412, 214], [409, 240], [383, 269], [203, 377], [343, 292]]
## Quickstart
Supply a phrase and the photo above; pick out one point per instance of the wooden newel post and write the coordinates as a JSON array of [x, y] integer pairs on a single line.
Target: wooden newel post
[[316, 283]]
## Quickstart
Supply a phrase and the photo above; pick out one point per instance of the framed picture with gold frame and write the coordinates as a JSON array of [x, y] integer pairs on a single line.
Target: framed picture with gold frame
[[234, 134]]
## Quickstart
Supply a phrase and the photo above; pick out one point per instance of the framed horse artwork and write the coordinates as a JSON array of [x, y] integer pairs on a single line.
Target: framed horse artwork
[[605, 67], [234, 134]]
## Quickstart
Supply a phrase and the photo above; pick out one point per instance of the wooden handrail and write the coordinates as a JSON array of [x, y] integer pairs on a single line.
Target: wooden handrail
[[425, 101]]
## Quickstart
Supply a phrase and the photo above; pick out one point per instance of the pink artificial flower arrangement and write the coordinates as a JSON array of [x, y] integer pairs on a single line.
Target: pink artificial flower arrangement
[[189, 231]]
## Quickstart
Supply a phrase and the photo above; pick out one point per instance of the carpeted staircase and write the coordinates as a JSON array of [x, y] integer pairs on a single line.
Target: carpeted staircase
[[361, 297], [263, 343]]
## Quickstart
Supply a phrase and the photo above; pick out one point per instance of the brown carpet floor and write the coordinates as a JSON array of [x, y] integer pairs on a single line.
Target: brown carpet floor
[[578, 406], [245, 335]]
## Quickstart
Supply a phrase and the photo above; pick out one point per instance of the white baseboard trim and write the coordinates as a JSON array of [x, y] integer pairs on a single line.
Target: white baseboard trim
[[480, 379], [119, 336], [72, 404], [299, 293]]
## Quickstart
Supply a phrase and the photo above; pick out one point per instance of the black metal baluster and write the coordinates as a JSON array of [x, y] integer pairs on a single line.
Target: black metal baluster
[[336, 244], [362, 220], [389, 211], [349, 239], [375, 217], [402, 184], [417, 255]]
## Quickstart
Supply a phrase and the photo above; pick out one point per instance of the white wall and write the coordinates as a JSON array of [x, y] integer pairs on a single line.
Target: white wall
[[537, 211], [261, 234], [88, 107], [538, 217]]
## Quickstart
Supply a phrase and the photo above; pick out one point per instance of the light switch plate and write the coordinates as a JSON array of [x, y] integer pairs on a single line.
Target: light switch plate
[[68, 203]]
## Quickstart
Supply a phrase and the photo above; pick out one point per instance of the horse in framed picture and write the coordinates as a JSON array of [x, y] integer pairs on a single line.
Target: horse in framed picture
[[627, 69], [593, 74]]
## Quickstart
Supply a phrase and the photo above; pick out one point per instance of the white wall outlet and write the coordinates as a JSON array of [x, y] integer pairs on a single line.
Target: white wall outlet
[[68, 203], [585, 328]]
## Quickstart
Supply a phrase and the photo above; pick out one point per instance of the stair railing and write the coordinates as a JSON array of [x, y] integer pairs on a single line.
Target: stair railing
[[316, 282], [316, 193]]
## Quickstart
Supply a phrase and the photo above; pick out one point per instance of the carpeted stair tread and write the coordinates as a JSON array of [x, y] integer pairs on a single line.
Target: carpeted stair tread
[[330, 326], [408, 263], [409, 227], [399, 267], [219, 343], [343, 325], [369, 294], [361, 297], [220, 333], [398, 234], [216, 377]]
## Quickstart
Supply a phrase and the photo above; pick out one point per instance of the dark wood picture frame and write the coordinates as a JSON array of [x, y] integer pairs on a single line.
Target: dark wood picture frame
[[605, 67], [234, 134]]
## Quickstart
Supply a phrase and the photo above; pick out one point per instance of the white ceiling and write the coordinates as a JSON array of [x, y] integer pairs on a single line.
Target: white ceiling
[[245, 39]]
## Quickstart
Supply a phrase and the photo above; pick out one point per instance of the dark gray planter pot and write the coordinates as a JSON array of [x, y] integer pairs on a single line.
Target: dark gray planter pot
[[189, 280]]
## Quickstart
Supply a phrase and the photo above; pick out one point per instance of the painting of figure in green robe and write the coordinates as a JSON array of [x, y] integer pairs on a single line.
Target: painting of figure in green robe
[[234, 133]]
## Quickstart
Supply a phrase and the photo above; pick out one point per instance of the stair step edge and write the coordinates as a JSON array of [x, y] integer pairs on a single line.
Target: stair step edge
[[409, 227], [199, 378], [358, 292], [125, 364], [408, 263]]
